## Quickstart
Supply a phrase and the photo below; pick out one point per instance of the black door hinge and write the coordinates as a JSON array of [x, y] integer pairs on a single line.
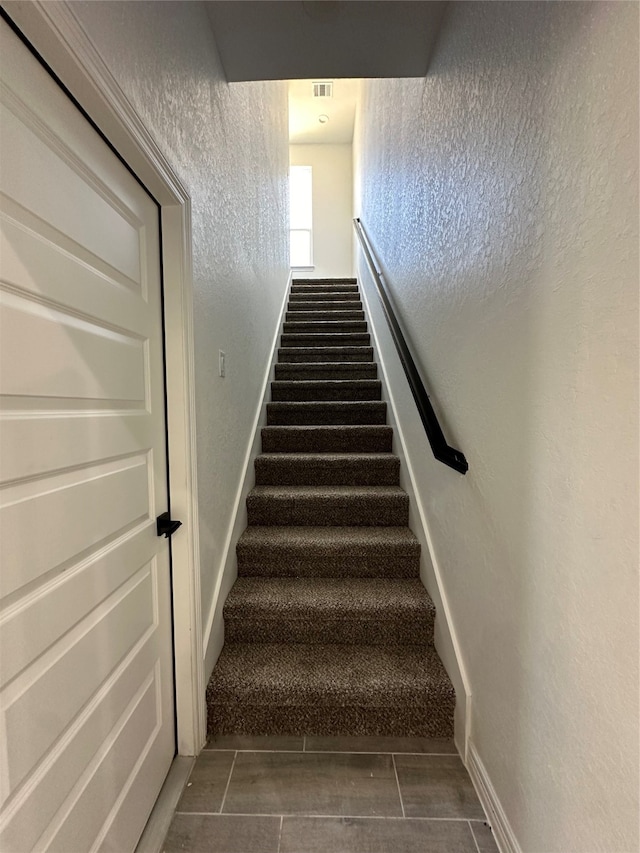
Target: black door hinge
[[166, 526]]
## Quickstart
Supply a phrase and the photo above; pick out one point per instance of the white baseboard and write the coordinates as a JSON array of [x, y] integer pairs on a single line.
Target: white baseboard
[[214, 630], [502, 832]]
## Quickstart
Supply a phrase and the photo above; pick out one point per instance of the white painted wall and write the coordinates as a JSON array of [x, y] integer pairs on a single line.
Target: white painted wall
[[229, 145], [501, 194], [332, 206]]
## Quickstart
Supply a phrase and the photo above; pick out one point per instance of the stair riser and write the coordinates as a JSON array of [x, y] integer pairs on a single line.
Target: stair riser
[[332, 316], [297, 307], [313, 291], [334, 300], [300, 392], [323, 282], [433, 719], [319, 372], [318, 296], [309, 355], [318, 628], [317, 414], [333, 566], [282, 472], [323, 340], [324, 327], [332, 510], [327, 440]]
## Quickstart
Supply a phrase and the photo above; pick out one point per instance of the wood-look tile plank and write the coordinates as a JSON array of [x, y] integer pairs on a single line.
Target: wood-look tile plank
[[207, 783], [367, 835], [381, 744], [313, 784], [222, 834], [437, 786]]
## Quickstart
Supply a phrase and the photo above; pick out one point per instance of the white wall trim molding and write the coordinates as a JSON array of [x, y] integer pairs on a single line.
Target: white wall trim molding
[[502, 830], [227, 571], [447, 642], [56, 33]]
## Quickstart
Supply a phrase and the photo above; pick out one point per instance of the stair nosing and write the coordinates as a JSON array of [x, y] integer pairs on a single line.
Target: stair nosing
[[408, 593], [363, 403], [346, 491], [297, 384]]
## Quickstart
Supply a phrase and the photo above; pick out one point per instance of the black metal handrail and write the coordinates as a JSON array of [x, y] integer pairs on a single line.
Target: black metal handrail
[[442, 451]]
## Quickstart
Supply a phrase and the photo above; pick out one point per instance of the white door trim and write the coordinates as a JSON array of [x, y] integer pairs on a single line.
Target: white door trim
[[56, 33]]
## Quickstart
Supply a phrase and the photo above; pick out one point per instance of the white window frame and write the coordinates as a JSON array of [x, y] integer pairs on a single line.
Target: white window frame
[[309, 218]]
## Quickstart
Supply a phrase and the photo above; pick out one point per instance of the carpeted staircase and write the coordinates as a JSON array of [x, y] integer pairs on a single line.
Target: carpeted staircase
[[328, 628]]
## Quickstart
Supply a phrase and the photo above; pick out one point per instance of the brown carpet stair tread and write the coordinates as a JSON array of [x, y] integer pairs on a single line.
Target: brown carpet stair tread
[[323, 370], [327, 412], [316, 390], [346, 598], [328, 460], [337, 469], [345, 290], [342, 552], [313, 289], [306, 355], [297, 284], [318, 339], [317, 282], [344, 438], [325, 541], [325, 327], [336, 315], [312, 295], [328, 505], [301, 307], [324, 284], [332, 323], [326, 675], [320, 610], [337, 492]]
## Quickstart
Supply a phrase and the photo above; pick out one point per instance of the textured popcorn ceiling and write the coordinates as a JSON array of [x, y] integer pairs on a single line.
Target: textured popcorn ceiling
[[229, 145], [501, 195]]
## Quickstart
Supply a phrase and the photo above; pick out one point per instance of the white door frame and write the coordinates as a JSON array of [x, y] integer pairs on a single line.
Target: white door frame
[[56, 33]]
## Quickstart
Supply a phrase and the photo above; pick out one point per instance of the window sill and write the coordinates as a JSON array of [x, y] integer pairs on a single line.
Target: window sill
[[302, 268]]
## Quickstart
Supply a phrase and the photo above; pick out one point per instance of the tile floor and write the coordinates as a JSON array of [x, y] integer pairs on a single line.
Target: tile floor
[[329, 795]]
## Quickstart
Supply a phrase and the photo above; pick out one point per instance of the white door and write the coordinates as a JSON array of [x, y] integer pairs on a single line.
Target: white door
[[86, 674]]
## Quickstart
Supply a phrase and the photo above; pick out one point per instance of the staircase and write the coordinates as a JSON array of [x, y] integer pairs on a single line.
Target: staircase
[[328, 628]]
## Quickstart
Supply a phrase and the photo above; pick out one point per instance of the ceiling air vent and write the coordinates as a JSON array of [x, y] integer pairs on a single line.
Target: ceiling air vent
[[324, 89]]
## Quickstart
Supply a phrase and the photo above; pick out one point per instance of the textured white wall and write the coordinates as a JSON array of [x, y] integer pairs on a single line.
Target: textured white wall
[[229, 145], [332, 206], [501, 194]]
